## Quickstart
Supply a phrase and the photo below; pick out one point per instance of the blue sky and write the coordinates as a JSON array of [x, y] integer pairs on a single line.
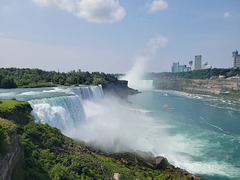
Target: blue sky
[[109, 35]]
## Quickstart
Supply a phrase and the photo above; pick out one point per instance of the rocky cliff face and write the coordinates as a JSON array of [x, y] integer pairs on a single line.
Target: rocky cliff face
[[167, 83], [217, 83], [8, 162], [119, 88], [11, 112], [209, 86]]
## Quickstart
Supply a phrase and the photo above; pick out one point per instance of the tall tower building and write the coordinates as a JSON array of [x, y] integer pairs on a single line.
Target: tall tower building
[[235, 59], [175, 67], [198, 62]]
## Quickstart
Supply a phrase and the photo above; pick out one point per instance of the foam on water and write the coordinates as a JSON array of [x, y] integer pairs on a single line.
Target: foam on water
[[208, 168], [7, 94], [30, 93], [56, 89], [190, 155]]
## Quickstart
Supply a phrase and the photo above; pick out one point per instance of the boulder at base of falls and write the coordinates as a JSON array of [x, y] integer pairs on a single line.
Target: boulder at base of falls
[[161, 162]]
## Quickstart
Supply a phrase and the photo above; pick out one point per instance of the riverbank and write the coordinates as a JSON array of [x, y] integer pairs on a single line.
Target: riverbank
[[224, 88], [232, 95]]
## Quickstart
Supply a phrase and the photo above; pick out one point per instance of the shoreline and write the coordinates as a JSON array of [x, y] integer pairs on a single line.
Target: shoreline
[[223, 88], [227, 97]]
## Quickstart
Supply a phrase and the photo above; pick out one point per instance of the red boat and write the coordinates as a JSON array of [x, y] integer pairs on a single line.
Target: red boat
[[168, 105]]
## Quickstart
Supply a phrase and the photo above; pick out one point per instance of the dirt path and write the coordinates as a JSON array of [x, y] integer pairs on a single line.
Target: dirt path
[[80, 151]]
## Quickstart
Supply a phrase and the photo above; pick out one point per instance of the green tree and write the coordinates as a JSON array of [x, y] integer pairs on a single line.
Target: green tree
[[1, 77], [99, 81], [61, 172], [8, 82]]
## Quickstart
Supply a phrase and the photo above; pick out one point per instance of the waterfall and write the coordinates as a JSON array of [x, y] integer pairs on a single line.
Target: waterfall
[[88, 92], [140, 84], [63, 112], [147, 84]]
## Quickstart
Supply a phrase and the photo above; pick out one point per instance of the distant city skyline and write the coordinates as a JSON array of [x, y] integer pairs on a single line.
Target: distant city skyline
[[198, 64], [110, 35]]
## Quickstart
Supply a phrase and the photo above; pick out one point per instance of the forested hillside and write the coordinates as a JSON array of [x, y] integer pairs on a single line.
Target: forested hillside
[[197, 74], [15, 77]]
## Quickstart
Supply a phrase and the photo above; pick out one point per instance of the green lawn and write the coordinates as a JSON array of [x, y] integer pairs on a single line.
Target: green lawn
[[9, 104]]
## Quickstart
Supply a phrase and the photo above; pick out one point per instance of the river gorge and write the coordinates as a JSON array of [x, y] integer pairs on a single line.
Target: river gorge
[[198, 133]]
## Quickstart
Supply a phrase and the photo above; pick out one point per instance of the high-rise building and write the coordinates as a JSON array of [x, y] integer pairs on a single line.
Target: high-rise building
[[198, 62], [175, 67], [235, 59], [184, 68], [180, 68]]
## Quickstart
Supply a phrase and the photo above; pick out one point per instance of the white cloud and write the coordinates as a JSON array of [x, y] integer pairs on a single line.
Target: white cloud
[[98, 11], [101, 11], [227, 14], [158, 5]]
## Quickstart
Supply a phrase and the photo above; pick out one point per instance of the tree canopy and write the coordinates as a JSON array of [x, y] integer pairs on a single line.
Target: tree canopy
[[198, 74], [15, 77]]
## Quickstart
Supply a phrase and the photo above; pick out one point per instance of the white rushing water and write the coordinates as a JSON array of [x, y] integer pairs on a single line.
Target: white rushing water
[[141, 84], [64, 112]]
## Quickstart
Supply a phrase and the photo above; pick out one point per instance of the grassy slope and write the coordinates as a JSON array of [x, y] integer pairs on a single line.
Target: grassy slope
[[7, 128], [8, 104], [132, 166], [18, 111]]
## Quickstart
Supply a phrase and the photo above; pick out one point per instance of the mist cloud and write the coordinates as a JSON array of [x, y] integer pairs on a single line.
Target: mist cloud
[[97, 11], [155, 44], [135, 75], [114, 125]]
